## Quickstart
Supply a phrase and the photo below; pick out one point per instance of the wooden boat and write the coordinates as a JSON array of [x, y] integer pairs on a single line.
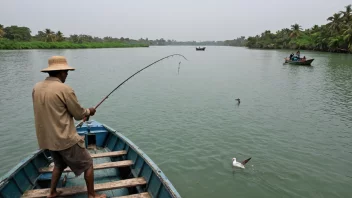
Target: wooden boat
[[120, 169], [200, 48], [299, 62]]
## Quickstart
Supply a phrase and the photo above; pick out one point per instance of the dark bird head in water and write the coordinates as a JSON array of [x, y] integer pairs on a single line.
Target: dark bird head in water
[[238, 100]]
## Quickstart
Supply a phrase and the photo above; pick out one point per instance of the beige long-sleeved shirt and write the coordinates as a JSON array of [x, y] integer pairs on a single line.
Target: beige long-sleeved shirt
[[55, 105]]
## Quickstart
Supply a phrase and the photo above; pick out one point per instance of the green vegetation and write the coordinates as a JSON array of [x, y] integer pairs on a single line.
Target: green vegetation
[[15, 37], [162, 42], [8, 44], [2, 32], [241, 41], [335, 36]]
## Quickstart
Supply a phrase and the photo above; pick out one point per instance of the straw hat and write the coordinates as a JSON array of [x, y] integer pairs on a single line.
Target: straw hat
[[57, 63]]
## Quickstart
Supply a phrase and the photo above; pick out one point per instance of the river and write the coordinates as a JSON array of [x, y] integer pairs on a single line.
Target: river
[[294, 121]]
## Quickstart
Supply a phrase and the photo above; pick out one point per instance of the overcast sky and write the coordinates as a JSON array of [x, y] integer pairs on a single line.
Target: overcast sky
[[177, 19]]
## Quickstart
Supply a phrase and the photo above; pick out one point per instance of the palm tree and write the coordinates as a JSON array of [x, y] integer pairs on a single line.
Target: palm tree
[[2, 32], [296, 30], [315, 28], [286, 31], [335, 42], [266, 34], [335, 23], [41, 36], [347, 36], [59, 36], [75, 38], [347, 16], [49, 35]]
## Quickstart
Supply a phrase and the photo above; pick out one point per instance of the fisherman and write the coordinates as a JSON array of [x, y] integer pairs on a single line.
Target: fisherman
[[55, 105]]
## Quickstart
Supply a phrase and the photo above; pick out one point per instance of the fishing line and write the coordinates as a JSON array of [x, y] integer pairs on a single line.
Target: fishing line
[[86, 118]]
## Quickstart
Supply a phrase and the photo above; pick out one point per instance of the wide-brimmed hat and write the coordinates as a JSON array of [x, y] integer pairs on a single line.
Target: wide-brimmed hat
[[57, 63]]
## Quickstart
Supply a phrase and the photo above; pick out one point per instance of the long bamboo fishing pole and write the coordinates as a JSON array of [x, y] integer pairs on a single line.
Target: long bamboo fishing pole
[[81, 123]]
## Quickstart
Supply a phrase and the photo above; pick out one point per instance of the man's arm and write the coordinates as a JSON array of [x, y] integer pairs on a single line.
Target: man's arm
[[75, 109]]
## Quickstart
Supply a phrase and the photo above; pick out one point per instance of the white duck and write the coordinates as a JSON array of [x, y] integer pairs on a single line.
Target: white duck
[[239, 164]]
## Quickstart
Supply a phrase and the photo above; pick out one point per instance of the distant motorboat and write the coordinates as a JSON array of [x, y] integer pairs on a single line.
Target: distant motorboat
[[200, 48]]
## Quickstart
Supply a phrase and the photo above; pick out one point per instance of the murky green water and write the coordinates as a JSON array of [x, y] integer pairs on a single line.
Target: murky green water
[[294, 121]]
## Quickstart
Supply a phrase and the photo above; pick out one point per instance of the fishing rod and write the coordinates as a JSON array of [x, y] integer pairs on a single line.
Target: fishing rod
[[86, 118]]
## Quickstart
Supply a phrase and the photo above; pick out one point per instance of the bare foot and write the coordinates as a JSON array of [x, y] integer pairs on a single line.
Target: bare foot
[[97, 196], [54, 194]]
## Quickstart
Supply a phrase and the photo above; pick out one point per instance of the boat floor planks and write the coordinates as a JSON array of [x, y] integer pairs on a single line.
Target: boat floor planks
[[83, 189], [109, 154], [100, 176]]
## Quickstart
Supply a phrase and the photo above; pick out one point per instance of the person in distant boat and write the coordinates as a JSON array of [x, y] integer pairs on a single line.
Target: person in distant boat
[[291, 55], [298, 54], [55, 105], [303, 59]]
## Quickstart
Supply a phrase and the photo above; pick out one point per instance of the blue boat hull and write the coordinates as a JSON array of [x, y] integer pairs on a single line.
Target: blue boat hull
[[28, 175]]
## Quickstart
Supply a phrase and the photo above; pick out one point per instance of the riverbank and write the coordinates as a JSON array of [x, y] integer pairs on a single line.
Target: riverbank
[[335, 36], [14, 45], [344, 51], [304, 41]]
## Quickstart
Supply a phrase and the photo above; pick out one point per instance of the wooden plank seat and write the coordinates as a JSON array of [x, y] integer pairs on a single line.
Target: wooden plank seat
[[118, 164], [83, 189], [140, 195], [109, 154]]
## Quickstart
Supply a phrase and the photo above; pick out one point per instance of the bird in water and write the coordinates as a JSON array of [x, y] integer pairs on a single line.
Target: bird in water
[[240, 164], [238, 100]]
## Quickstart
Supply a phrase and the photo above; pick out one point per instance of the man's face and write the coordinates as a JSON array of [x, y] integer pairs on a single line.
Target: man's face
[[63, 75]]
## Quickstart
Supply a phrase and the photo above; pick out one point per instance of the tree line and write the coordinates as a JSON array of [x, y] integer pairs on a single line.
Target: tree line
[[23, 34], [18, 36], [162, 41], [16, 33], [235, 42], [335, 36], [15, 37]]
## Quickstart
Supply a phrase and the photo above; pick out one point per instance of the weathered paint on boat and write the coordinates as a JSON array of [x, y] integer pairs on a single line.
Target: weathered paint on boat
[[26, 175]]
